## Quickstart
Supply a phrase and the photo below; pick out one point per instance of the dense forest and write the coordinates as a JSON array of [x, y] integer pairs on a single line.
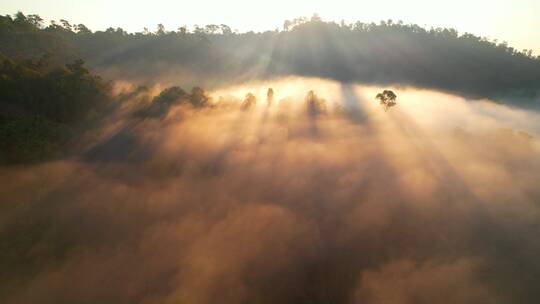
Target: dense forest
[[42, 104], [47, 91], [385, 53]]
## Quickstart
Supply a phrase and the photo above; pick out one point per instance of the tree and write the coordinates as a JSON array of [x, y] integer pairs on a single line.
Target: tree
[[387, 99], [36, 21], [182, 30], [66, 25], [22, 22], [54, 26], [199, 98], [198, 30], [249, 102], [77, 67], [211, 29], [171, 95], [176, 95], [270, 96], [160, 29], [225, 29], [315, 105], [82, 29], [287, 25], [20, 18]]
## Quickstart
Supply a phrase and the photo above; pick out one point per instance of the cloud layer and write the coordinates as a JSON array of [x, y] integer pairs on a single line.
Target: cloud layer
[[435, 200]]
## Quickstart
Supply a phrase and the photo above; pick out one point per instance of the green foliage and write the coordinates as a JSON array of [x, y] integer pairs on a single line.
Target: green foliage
[[60, 94], [387, 99], [382, 53], [172, 96], [40, 103], [55, 91], [25, 36], [30, 139]]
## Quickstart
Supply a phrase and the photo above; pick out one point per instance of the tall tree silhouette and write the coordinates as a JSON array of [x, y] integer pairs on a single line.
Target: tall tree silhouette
[[387, 99]]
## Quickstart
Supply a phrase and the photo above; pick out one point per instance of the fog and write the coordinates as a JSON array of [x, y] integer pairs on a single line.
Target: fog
[[321, 199]]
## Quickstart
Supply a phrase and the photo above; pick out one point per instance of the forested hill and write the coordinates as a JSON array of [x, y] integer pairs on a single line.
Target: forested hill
[[381, 53]]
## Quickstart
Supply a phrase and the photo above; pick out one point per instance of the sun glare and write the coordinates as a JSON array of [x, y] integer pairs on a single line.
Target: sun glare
[[223, 152]]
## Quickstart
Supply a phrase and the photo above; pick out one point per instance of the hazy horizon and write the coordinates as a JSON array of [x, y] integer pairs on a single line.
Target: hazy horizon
[[515, 22], [327, 162]]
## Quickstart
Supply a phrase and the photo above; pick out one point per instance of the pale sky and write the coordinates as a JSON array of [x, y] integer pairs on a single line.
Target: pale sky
[[517, 21]]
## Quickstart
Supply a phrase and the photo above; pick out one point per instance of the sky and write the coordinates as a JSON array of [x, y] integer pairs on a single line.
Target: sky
[[515, 22]]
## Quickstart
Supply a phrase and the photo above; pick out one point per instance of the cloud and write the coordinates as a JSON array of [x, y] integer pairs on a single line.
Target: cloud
[[219, 205], [404, 281]]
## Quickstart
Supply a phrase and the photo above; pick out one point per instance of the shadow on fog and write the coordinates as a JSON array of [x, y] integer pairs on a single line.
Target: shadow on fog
[[244, 206], [352, 104]]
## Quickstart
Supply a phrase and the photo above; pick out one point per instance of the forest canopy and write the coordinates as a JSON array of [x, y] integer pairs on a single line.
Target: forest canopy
[[41, 103], [385, 53], [47, 89]]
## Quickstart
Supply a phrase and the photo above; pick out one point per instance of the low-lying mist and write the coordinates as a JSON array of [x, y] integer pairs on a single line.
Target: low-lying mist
[[282, 196]]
